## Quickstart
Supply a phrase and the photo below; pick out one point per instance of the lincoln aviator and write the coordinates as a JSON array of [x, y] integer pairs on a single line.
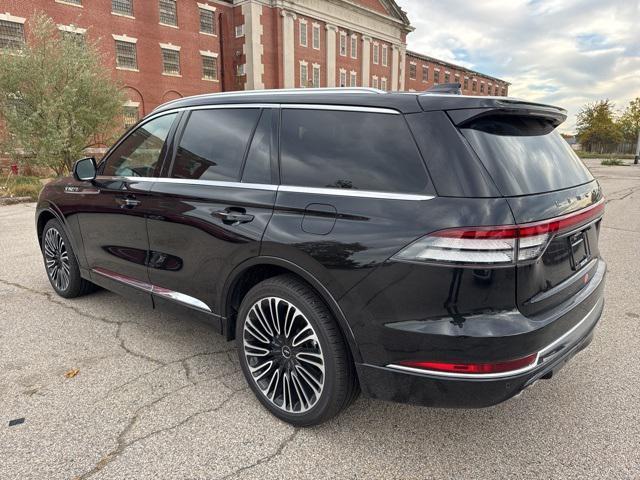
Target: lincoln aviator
[[427, 248]]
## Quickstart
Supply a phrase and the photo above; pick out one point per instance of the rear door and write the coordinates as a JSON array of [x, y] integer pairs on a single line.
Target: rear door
[[542, 179], [212, 207]]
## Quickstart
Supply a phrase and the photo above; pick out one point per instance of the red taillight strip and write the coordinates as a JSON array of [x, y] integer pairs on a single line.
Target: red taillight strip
[[552, 225], [476, 368]]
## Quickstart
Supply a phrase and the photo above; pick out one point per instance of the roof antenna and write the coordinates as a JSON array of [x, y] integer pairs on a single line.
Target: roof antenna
[[450, 88]]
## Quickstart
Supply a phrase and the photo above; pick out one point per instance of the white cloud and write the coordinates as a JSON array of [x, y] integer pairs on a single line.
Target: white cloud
[[564, 52]]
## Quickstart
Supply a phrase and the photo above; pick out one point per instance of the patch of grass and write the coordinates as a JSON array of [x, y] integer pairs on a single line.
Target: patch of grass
[[612, 162], [583, 154], [20, 186]]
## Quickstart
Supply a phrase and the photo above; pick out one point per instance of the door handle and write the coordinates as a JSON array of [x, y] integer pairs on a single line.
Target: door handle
[[233, 216], [127, 202]]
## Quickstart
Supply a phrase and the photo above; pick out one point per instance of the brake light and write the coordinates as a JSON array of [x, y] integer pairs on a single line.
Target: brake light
[[475, 368], [497, 245]]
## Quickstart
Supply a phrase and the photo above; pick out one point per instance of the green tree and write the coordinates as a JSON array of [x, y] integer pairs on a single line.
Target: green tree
[[630, 121], [597, 127], [56, 98]]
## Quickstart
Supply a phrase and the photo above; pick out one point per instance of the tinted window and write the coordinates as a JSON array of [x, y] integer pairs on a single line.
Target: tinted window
[[257, 168], [213, 144], [139, 153], [339, 149], [525, 155]]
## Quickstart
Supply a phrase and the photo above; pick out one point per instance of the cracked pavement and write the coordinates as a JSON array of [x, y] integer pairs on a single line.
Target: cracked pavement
[[162, 396]]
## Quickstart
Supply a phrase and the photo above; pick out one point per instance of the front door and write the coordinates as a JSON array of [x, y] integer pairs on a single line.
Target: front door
[[113, 222], [214, 205]]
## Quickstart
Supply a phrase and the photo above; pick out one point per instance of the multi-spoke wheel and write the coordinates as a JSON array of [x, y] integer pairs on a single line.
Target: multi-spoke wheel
[[292, 352], [60, 262], [56, 258]]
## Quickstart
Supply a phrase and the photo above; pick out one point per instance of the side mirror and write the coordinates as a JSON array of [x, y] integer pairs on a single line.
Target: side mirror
[[84, 169]]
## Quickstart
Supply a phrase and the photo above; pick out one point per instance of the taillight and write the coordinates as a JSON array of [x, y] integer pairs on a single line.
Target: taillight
[[475, 368], [499, 245]]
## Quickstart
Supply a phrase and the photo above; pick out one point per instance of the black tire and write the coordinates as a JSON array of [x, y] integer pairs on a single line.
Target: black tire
[[340, 386], [57, 252]]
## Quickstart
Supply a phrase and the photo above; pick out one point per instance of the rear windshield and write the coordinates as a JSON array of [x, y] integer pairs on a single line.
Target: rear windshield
[[525, 155]]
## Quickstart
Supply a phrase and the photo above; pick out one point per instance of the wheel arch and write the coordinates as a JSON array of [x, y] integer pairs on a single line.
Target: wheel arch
[[43, 216], [257, 269]]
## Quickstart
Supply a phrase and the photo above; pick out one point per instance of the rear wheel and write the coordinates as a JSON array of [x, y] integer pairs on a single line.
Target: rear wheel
[[293, 353], [61, 263]]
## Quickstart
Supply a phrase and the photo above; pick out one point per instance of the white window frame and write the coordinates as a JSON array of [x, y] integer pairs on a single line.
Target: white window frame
[[120, 14], [376, 53], [343, 44], [210, 54], [353, 45], [204, 6], [126, 39], [413, 65], [385, 55], [315, 29], [315, 70], [239, 30], [374, 81], [241, 70], [353, 78], [343, 78], [383, 83], [304, 65], [303, 28], [174, 48]]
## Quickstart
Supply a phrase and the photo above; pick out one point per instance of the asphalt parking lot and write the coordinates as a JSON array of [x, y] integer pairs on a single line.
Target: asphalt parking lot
[[160, 396]]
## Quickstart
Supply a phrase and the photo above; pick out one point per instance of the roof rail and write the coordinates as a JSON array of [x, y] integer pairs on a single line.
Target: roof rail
[[282, 91], [450, 88]]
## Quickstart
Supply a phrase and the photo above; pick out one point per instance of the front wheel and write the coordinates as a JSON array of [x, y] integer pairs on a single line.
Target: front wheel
[[60, 262], [292, 352]]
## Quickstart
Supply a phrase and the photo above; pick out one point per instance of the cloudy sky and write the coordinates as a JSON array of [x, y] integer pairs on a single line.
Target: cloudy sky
[[564, 52]]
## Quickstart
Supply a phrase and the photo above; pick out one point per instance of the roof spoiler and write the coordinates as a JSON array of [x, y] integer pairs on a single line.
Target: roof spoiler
[[450, 88], [553, 115]]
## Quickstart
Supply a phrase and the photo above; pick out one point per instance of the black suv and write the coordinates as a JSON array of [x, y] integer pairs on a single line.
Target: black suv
[[425, 248]]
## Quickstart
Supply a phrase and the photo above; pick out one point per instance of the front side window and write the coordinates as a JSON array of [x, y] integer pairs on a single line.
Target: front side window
[[168, 13], [141, 152], [11, 35], [122, 7], [207, 22], [349, 150], [126, 56], [213, 144], [170, 61]]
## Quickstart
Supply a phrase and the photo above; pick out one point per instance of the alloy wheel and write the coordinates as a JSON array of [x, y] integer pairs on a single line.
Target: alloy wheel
[[56, 258], [284, 355]]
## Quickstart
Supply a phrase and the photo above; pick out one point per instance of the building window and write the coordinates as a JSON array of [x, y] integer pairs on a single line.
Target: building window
[[385, 51], [374, 82], [240, 30], [130, 115], [354, 46], [207, 22], [353, 79], [343, 44], [481, 87], [72, 33], [474, 86], [122, 7], [495, 90], [425, 73], [316, 36], [240, 70], [466, 83], [383, 83], [72, 2], [11, 35], [126, 56], [209, 67], [170, 61], [447, 77], [304, 75], [343, 77], [436, 76], [457, 78], [412, 71], [504, 92], [316, 76], [303, 33], [168, 13], [376, 53]]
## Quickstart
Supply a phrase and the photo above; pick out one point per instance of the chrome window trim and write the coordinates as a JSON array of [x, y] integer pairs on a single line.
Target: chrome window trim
[[218, 183], [541, 353], [342, 192], [342, 108], [153, 289]]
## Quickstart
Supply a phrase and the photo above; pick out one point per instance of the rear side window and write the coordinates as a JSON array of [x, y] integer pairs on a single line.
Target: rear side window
[[353, 150], [525, 155], [214, 143]]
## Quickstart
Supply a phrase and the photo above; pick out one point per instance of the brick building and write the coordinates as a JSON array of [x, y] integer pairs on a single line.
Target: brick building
[[164, 49]]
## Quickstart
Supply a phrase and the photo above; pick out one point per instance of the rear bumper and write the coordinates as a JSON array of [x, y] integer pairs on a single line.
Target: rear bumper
[[407, 385]]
